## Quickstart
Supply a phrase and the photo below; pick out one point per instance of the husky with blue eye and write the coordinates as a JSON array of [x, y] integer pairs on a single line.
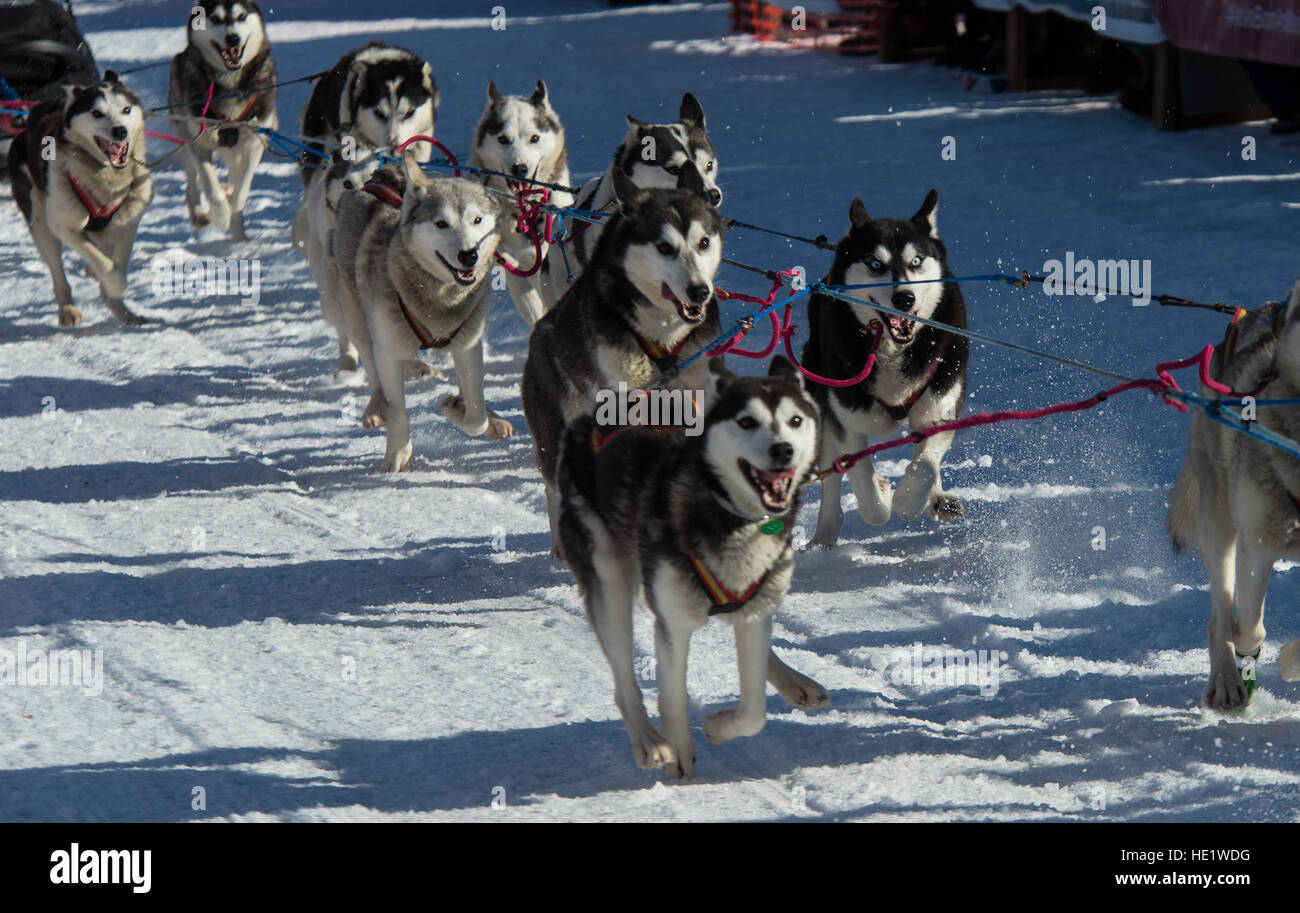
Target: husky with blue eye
[[697, 526], [919, 377], [80, 181]]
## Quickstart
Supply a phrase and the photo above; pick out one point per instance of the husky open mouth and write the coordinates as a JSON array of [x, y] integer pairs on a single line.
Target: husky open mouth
[[774, 486], [117, 152], [463, 276], [901, 329], [690, 313], [231, 56]]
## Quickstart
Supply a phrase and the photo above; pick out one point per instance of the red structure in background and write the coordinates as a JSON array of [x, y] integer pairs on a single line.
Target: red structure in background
[[855, 29]]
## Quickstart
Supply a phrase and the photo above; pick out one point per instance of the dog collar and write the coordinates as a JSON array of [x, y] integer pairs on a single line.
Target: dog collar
[[724, 600], [426, 337], [771, 525], [100, 216], [664, 357], [385, 186]]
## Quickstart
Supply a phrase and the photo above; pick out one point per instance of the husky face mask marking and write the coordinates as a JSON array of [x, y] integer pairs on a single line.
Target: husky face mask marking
[[672, 145], [446, 229], [388, 101], [677, 244], [518, 135], [105, 120], [895, 250], [233, 33], [761, 438]]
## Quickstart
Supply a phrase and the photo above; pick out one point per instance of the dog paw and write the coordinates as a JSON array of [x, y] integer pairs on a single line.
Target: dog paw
[[945, 508], [803, 692], [132, 319], [199, 218], [375, 414], [728, 724], [1226, 690], [498, 428], [114, 284], [397, 459], [219, 218], [416, 369], [915, 490], [652, 750], [69, 315], [875, 505]]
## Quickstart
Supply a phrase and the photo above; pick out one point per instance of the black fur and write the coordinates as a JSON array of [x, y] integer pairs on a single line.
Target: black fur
[[838, 344]]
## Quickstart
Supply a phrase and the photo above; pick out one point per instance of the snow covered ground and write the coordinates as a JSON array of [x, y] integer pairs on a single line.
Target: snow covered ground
[[304, 638]]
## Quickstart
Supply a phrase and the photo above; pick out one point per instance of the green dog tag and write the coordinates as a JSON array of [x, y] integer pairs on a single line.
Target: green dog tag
[[771, 527]]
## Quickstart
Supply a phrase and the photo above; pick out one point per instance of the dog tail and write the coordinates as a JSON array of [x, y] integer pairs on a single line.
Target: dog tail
[[1183, 501]]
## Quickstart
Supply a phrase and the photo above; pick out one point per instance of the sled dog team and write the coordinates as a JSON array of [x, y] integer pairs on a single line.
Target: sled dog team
[[696, 525]]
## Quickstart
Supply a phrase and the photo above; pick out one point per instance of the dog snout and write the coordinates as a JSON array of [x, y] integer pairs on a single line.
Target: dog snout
[[468, 258], [119, 133], [904, 301], [698, 293], [232, 40], [519, 171], [715, 196], [782, 452]]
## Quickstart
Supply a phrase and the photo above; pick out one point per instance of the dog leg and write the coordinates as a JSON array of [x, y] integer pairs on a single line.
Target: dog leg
[[553, 518], [358, 333], [671, 647], [242, 161], [120, 251], [189, 161], [875, 497], [609, 606], [1253, 568], [101, 267], [753, 646], [392, 379], [830, 516], [1218, 543], [467, 409], [210, 183], [920, 488], [794, 686], [51, 252], [526, 298]]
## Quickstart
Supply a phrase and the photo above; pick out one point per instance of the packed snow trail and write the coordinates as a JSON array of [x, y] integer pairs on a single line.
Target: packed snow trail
[[300, 637]]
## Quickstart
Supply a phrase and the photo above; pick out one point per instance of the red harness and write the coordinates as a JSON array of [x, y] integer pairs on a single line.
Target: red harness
[[911, 400], [100, 216], [426, 337]]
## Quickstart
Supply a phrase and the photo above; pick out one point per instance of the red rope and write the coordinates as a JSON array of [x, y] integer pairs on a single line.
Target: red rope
[[429, 139]]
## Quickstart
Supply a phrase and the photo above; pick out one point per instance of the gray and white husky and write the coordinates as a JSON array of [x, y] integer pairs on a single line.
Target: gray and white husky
[[644, 304], [686, 522], [521, 136], [417, 274], [920, 372], [1237, 499], [650, 157], [227, 59], [80, 181]]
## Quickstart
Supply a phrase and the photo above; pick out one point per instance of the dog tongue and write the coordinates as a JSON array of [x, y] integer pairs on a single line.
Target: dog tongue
[[667, 293], [772, 478]]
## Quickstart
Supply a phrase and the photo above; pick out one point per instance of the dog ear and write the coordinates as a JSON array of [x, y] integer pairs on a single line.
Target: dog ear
[[426, 73], [634, 123], [538, 98], [689, 179], [111, 76], [691, 114], [785, 369], [928, 215], [416, 180], [716, 380], [356, 73], [494, 95], [1293, 307], [858, 213], [630, 196]]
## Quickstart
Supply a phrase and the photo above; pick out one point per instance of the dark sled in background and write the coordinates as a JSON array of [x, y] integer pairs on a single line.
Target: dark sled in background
[[41, 50]]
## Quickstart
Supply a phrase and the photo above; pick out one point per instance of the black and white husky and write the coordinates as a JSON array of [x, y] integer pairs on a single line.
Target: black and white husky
[[645, 304], [521, 136], [379, 97], [650, 157], [225, 73], [698, 526], [416, 272], [80, 180], [1238, 499], [920, 373]]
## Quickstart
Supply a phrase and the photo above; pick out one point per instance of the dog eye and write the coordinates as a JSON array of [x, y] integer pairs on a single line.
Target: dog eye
[[708, 168], [748, 422], [441, 223], [534, 138], [796, 421], [876, 266], [916, 261], [126, 110], [704, 243], [380, 114], [98, 114], [478, 219], [672, 169], [503, 140], [241, 17], [665, 248], [409, 114]]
